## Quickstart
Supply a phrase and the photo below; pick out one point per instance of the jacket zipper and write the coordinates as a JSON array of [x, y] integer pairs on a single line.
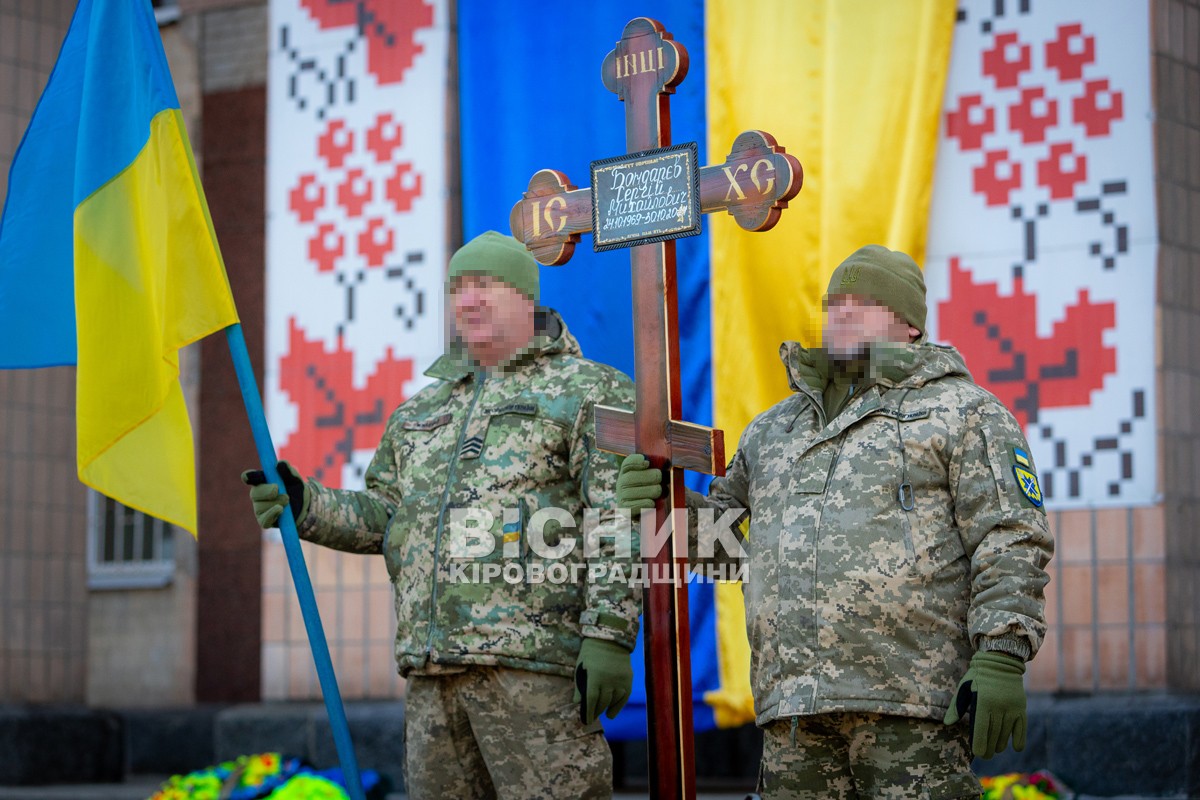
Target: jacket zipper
[[587, 462], [816, 624], [437, 541]]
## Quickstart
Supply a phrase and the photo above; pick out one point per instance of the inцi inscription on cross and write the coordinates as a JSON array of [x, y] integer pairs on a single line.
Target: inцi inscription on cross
[[753, 184]]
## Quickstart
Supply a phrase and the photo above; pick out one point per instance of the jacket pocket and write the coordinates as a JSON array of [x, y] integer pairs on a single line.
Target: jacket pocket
[[1005, 496], [511, 424], [514, 539], [393, 544], [811, 474]]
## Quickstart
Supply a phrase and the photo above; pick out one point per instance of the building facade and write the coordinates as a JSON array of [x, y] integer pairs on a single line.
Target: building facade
[[102, 607]]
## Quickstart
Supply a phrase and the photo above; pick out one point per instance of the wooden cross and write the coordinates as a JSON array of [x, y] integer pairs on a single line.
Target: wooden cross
[[753, 184]]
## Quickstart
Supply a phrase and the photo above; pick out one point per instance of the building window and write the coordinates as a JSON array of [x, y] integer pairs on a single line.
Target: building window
[[126, 548], [166, 11]]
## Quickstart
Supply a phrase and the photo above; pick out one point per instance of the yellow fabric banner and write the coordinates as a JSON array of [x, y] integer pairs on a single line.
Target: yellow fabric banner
[[149, 279], [853, 89]]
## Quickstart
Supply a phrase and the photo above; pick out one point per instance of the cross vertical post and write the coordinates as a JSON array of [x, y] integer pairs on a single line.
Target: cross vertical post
[[643, 71], [753, 185]]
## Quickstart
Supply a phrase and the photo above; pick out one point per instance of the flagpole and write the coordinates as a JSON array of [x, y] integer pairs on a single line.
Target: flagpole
[[295, 557]]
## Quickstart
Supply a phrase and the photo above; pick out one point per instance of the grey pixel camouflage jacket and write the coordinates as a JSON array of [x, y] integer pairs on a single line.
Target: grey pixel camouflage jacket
[[886, 545], [506, 443]]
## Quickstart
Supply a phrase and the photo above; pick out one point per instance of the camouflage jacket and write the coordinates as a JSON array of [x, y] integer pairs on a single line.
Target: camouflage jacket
[[886, 544], [463, 466]]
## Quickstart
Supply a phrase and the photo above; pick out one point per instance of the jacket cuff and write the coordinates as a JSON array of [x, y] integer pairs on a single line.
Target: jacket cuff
[[312, 506], [610, 627], [1012, 645]]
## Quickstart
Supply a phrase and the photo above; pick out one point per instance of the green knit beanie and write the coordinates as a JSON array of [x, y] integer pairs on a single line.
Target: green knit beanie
[[888, 277], [502, 257]]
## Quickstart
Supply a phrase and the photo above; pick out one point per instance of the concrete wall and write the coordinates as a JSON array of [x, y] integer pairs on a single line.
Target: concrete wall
[[1177, 91], [43, 511], [229, 625], [1105, 605], [141, 643]]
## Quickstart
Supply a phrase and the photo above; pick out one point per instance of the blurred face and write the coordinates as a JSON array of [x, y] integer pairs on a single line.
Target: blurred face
[[493, 319], [853, 323]]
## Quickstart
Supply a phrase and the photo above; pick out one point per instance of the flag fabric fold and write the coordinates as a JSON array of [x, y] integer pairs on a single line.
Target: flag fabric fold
[[108, 259]]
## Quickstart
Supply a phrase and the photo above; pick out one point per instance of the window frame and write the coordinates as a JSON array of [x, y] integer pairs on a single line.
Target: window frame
[[118, 572]]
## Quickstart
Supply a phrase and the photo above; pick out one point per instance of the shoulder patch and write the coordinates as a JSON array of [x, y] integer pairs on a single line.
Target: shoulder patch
[[433, 423], [1027, 482], [1022, 458]]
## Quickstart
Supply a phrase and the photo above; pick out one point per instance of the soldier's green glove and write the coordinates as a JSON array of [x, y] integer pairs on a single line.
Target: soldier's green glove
[[638, 486], [993, 696], [603, 679], [268, 502]]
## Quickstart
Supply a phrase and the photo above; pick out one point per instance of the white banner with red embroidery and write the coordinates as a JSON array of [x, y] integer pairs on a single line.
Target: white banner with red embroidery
[[1043, 242], [356, 222]]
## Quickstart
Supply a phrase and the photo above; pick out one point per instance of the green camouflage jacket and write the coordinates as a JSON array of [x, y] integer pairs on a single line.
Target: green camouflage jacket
[[463, 466], [887, 544]]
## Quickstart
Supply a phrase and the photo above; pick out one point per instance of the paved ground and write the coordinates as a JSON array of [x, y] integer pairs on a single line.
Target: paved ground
[[141, 788]]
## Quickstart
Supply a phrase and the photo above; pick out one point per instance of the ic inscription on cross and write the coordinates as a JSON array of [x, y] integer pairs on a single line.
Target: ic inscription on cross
[[753, 184]]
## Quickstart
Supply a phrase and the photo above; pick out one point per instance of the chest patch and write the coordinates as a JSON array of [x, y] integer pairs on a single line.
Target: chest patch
[[904, 416], [431, 424], [528, 409], [472, 446]]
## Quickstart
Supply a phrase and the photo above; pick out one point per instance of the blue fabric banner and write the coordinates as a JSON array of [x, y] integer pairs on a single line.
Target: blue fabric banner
[[532, 98]]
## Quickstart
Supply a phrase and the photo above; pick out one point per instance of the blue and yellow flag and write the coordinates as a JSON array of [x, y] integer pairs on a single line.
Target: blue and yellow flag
[[108, 259], [851, 88]]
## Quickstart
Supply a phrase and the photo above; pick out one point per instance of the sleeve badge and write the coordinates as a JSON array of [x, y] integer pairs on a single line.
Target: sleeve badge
[[1027, 482]]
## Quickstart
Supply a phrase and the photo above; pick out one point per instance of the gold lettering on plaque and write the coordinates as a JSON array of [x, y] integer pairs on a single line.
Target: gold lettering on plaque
[[763, 162], [537, 222], [733, 184], [556, 202], [554, 222]]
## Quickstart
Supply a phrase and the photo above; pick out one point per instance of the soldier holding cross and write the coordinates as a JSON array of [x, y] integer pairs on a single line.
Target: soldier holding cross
[[506, 679], [897, 553]]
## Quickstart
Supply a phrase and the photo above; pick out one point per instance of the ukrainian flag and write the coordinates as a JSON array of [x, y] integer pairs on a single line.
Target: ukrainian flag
[[108, 260], [850, 87]]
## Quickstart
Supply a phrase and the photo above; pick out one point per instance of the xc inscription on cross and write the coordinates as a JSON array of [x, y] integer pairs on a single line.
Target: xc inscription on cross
[[753, 184]]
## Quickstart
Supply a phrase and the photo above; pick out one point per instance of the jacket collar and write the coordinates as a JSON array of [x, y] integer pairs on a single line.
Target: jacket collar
[[550, 337], [890, 365]]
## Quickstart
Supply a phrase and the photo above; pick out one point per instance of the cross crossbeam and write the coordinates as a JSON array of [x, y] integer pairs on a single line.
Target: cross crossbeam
[[753, 185]]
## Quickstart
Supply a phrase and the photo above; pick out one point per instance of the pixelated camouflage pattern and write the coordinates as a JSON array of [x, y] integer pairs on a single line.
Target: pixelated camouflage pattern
[[846, 756], [854, 603], [510, 441], [492, 732]]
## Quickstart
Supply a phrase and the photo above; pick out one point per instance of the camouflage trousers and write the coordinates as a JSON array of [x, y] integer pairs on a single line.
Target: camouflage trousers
[[856, 756], [508, 734]]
